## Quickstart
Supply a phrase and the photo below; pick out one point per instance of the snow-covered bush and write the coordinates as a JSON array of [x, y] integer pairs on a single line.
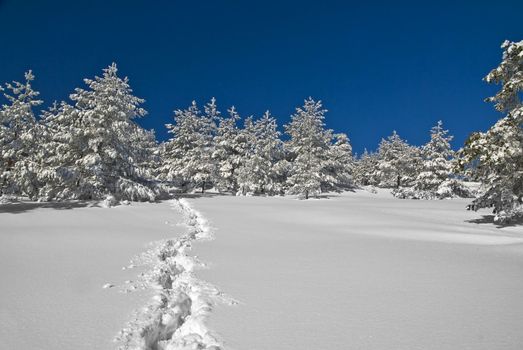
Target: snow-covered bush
[[109, 201], [450, 188]]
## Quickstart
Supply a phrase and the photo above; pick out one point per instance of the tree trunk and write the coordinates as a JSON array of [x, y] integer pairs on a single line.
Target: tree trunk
[[307, 194]]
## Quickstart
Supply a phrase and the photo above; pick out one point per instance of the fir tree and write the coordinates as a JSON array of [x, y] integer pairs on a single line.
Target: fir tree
[[365, 169], [397, 162], [436, 160], [230, 148], [258, 173], [19, 139], [96, 147], [188, 156], [340, 165], [499, 151], [308, 146], [435, 179]]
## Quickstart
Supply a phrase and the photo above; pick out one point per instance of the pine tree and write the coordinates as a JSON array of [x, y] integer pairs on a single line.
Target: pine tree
[[188, 157], [258, 173], [308, 146], [61, 173], [365, 169], [96, 146], [340, 165], [19, 139], [176, 151], [435, 179], [397, 162], [499, 151], [436, 160], [230, 149]]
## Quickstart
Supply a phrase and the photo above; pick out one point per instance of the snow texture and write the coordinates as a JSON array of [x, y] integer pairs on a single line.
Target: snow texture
[[55, 259], [358, 270], [363, 271], [175, 317]]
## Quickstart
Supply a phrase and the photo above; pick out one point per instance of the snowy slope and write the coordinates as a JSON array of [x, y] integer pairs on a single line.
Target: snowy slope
[[54, 262], [353, 271], [362, 271]]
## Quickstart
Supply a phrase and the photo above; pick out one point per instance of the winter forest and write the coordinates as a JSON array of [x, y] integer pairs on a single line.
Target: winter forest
[[92, 147], [274, 175]]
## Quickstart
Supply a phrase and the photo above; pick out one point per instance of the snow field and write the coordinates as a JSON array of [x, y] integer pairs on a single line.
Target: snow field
[[56, 257], [362, 271], [355, 270]]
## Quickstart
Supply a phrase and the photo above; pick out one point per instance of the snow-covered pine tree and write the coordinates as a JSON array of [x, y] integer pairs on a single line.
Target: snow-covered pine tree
[[499, 151], [258, 173], [230, 149], [97, 148], [60, 175], [397, 162], [188, 158], [244, 174], [436, 166], [340, 165], [308, 148], [365, 169], [19, 139], [435, 179], [175, 167], [147, 158]]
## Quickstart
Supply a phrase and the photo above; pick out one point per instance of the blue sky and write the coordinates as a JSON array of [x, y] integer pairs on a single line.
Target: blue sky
[[377, 66]]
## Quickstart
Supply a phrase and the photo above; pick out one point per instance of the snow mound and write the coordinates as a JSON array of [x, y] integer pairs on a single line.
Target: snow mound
[[450, 188], [109, 202], [175, 317]]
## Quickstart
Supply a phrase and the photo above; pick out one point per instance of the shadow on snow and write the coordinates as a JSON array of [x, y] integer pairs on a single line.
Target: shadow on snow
[[19, 207], [489, 220]]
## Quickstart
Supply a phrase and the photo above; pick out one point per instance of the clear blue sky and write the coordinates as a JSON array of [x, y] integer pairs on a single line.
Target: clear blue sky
[[377, 66]]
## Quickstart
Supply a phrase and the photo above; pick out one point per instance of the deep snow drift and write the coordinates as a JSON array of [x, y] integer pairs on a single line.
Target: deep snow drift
[[363, 271]]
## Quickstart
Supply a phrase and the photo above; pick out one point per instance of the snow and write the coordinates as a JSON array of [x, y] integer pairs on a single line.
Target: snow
[[56, 259], [175, 318], [362, 271], [357, 270]]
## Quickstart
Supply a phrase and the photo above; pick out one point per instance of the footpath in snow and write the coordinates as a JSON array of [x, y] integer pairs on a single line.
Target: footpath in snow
[[363, 271], [176, 316], [64, 287]]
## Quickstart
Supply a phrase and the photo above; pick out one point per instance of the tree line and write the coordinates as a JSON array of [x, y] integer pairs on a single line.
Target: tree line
[[92, 147]]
